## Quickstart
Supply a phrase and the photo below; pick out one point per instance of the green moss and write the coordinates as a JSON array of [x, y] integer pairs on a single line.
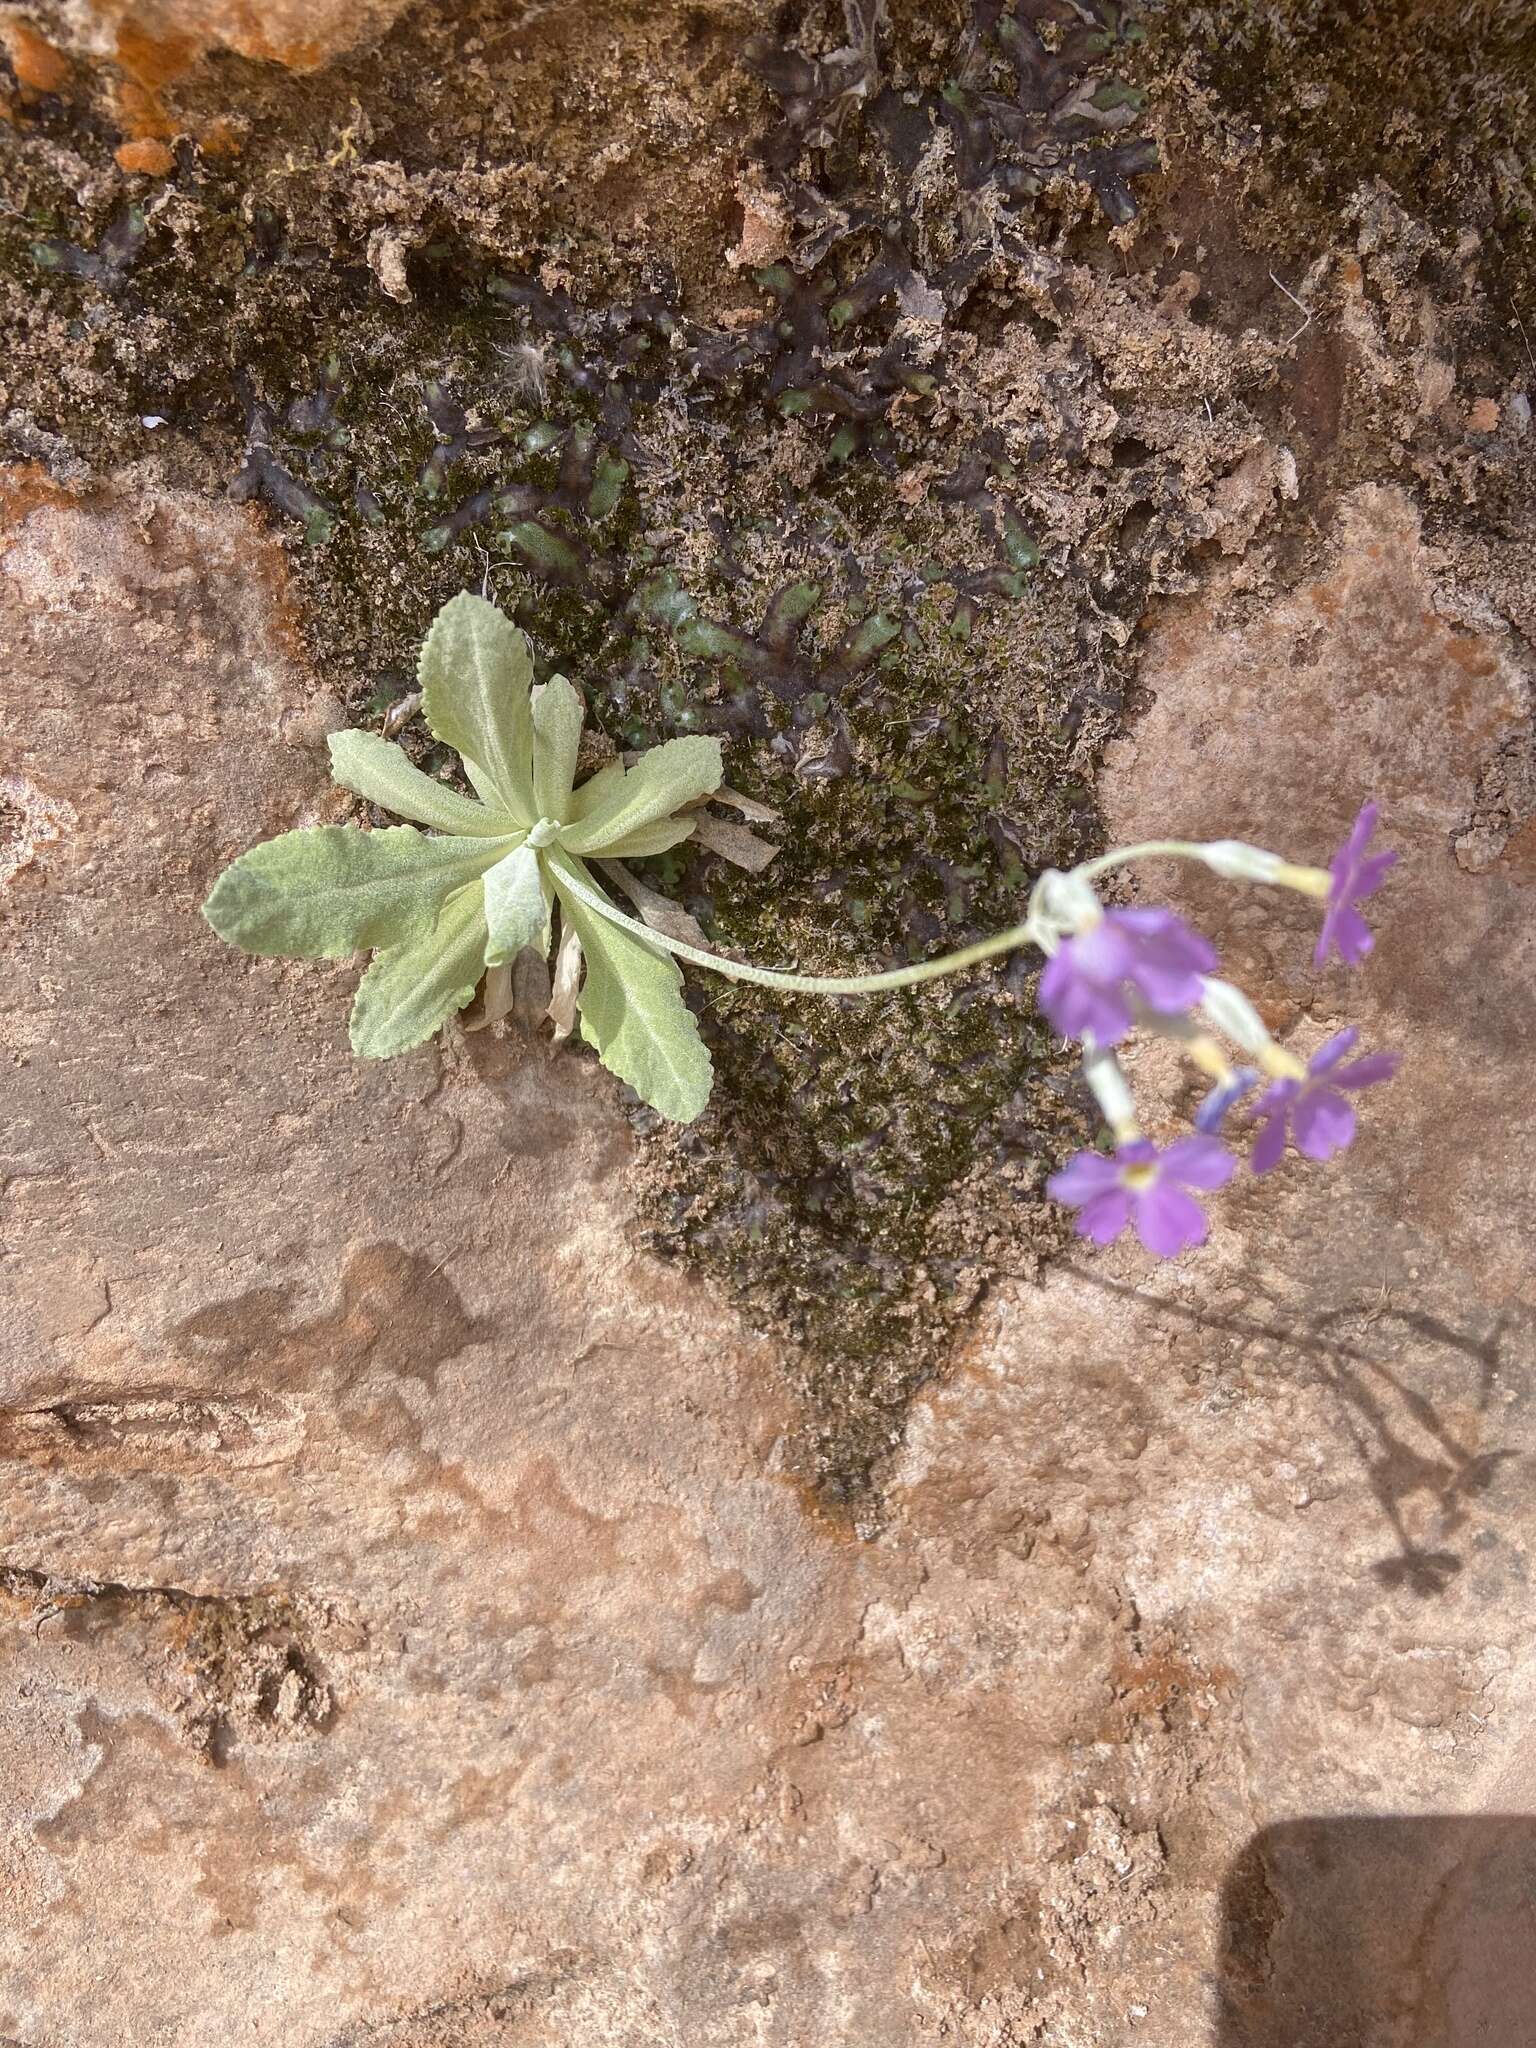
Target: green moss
[[866, 1161], [1437, 103]]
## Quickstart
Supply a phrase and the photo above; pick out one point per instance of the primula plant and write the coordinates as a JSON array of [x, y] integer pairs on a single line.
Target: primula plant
[[505, 878], [443, 909]]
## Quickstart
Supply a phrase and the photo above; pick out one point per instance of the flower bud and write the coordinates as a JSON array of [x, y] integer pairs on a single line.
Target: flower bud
[[1236, 861], [1230, 1011], [1111, 1091]]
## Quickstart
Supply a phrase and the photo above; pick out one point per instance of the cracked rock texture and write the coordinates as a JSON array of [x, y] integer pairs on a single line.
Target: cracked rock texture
[[413, 1629]]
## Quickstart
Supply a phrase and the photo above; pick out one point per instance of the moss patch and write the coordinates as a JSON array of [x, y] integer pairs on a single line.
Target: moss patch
[[1438, 103]]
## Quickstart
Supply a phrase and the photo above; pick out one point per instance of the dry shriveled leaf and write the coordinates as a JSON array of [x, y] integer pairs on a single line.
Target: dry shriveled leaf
[[734, 843], [567, 982], [656, 910]]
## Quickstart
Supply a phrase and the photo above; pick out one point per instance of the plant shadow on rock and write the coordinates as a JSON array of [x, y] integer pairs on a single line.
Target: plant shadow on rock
[[799, 526], [1425, 1473]]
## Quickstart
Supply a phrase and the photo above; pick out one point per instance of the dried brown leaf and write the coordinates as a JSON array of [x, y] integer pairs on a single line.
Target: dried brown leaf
[[749, 807], [493, 1002], [656, 910], [735, 843], [567, 983]]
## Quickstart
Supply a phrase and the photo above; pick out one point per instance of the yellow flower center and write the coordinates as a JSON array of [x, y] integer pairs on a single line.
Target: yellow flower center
[[1138, 1178]]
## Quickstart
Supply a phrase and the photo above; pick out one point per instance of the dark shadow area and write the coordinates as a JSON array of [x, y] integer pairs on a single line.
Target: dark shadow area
[[1393, 1932]]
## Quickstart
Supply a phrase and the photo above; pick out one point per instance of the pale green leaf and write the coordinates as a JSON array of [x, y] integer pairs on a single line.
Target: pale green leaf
[[380, 771], [656, 838], [659, 783], [596, 790], [410, 990], [475, 671], [330, 890], [557, 720], [516, 911], [633, 1012]]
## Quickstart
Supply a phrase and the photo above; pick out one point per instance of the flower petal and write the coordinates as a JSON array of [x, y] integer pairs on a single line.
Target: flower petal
[[1103, 953], [1167, 986], [1329, 1054], [1367, 1072], [1345, 931], [1168, 1221], [1083, 1177], [1354, 876], [1163, 932], [1353, 935], [1165, 946], [1275, 1100], [1360, 834], [1223, 1098], [1074, 1005], [1199, 1163], [1269, 1145], [1322, 1123], [1370, 875], [1105, 1216]]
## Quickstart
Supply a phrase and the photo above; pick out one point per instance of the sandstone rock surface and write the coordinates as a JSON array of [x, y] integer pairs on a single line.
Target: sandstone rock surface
[[412, 1629], [158, 40], [1297, 1460], [409, 1634]]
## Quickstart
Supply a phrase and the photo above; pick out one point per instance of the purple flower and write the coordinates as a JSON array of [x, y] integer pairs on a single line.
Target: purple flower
[[1087, 986], [1313, 1113], [1356, 875], [1143, 1186], [1225, 1096]]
